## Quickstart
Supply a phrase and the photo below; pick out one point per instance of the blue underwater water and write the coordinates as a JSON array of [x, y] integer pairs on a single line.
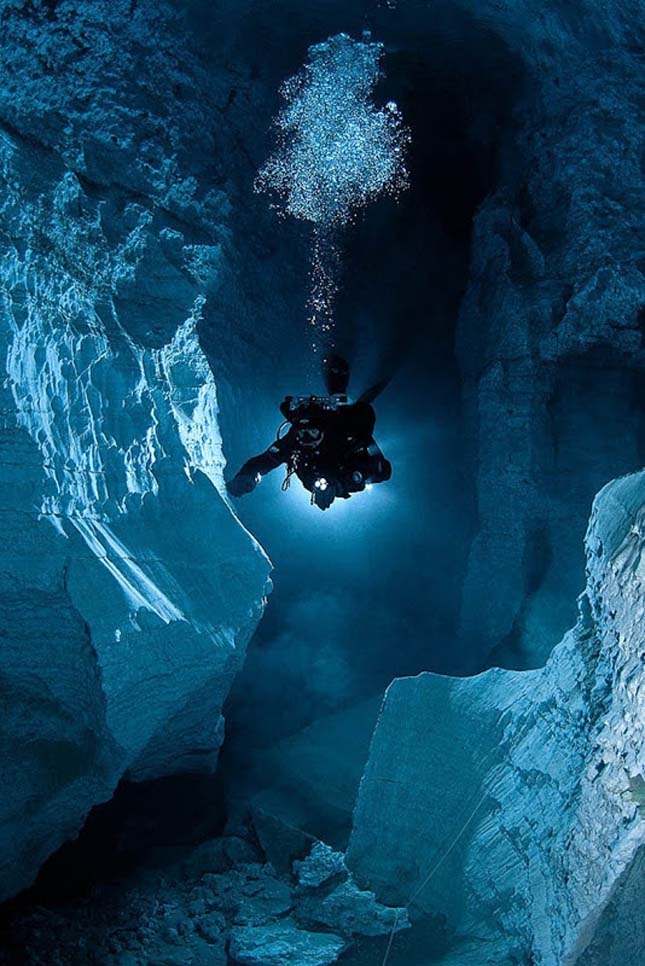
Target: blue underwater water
[[235, 729]]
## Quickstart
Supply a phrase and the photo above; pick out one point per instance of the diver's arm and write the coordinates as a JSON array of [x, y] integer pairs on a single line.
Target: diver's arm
[[361, 419], [254, 469]]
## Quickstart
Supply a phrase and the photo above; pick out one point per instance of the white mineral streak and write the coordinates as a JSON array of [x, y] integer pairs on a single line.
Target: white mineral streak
[[56, 372], [182, 366], [99, 413], [138, 588], [507, 802], [126, 620]]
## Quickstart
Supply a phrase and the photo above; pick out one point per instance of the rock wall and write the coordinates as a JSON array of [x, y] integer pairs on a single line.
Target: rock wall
[[550, 329], [511, 803], [128, 587]]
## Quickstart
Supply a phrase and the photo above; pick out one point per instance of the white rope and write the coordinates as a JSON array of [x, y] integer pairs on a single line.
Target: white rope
[[517, 738], [434, 869]]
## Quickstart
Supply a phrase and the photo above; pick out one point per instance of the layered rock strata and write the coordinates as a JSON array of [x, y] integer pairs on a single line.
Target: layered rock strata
[[550, 337], [128, 588], [511, 803]]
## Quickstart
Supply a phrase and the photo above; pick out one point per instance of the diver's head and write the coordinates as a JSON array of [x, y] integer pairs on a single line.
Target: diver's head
[[335, 373], [309, 435], [323, 493]]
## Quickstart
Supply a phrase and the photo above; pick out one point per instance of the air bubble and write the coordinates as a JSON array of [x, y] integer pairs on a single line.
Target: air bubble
[[337, 151]]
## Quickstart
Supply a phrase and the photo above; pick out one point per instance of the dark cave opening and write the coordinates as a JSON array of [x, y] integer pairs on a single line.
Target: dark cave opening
[[142, 824]]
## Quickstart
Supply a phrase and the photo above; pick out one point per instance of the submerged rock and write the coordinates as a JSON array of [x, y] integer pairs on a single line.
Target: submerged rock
[[321, 865], [328, 896], [282, 843], [250, 894], [351, 911], [219, 855], [128, 588], [174, 913], [309, 780], [527, 782], [284, 943]]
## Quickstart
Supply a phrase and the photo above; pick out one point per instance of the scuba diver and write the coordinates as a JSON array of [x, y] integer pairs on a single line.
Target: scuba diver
[[328, 444]]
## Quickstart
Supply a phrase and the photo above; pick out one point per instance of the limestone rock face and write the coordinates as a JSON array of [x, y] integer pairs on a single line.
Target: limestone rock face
[[128, 588], [550, 342], [284, 943], [511, 802]]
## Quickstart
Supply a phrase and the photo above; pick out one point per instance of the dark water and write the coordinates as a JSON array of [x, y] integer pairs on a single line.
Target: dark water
[[371, 590]]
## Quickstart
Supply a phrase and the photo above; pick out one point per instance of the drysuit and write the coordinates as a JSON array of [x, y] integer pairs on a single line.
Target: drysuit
[[328, 445]]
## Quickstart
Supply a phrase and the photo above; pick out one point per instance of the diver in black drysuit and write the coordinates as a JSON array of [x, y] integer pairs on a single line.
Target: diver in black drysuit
[[329, 445]]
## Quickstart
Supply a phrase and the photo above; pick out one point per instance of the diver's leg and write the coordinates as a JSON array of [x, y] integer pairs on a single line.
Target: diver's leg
[[335, 374]]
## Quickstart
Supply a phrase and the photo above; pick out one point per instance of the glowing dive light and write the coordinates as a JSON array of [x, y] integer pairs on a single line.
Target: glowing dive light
[[321, 484], [258, 478]]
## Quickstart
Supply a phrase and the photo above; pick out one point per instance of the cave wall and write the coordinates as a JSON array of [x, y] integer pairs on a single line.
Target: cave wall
[[509, 805], [550, 328], [129, 589]]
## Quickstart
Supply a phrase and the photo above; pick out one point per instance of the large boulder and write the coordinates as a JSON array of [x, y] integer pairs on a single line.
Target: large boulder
[[511, 803]]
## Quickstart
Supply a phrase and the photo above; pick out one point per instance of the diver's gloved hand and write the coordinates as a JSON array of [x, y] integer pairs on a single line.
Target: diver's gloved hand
[[242, 483], [323, 498]]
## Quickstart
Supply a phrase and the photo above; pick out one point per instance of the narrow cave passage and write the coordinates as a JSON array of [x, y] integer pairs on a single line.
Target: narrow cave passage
[[371, 591], [155, 312]]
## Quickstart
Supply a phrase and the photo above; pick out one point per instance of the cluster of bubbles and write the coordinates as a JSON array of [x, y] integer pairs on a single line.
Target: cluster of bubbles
[[337, 151]]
